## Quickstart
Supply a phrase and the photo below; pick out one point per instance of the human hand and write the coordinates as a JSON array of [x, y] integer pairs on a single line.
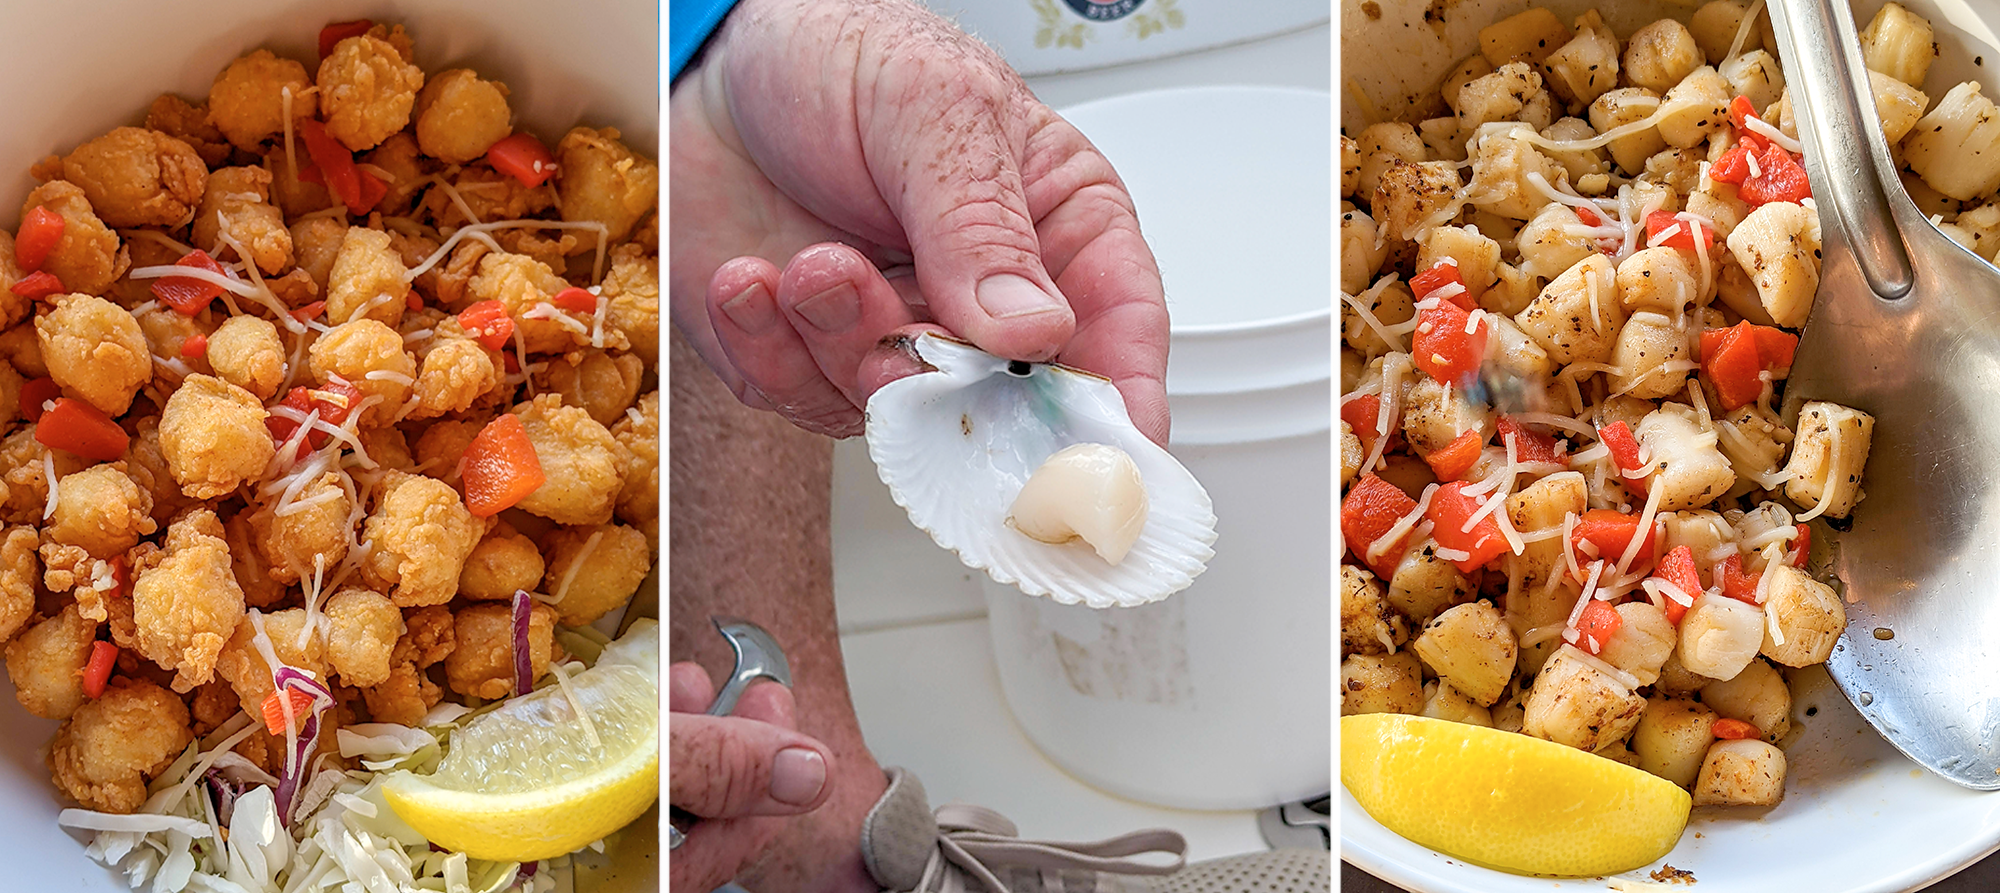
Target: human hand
[[877, 125], [742, 774]]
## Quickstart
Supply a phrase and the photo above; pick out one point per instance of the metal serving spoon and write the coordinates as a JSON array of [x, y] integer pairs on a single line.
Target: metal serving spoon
[[1906, 327]]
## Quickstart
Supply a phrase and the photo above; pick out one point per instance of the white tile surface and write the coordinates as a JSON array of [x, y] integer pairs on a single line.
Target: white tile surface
[[928, 700]]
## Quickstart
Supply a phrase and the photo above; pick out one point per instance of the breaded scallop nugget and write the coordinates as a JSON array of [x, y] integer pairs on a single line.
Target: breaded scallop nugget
[[602, 180], [460, 116], [138, 177], [87, 258], [104, 755], [247, 101], [213, 436], [95, 350], [367, 90]]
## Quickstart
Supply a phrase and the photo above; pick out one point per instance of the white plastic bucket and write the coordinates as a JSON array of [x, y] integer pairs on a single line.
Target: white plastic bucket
[[1218, 697], [1050, 36]]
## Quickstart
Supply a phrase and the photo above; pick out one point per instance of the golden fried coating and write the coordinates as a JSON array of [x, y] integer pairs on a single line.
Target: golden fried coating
[[365, 628], [18, 571], [213, 436], [408, 168], [460, 116], [185, 600], [173, 116], [366, 279], [245, 351], [408, 693], [449, 281], [583, 464], [146, 464], [100, 510], [242, 661], [46, 663], [23, 470], [95, 350], [127, 292], [311, 536], [107, 751], [503, 562], [167, 331], [438, 449], [247, 101], [252, 569], [602, 180], [482, 666], [633, 284], [456, 372], [241, 196], [88, 258], [13, 307], [138, 177], [422, 533], [521, 283], [315, 244], [594, 570], [367, 90], [10, 394], [639, 431], [601, 383], [370, 356], [490, 195], [388, 447], [551, 247], [292, 195], [212, 705]]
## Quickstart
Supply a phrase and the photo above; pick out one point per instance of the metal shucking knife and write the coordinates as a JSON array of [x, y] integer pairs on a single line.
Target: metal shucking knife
[[758, 657]]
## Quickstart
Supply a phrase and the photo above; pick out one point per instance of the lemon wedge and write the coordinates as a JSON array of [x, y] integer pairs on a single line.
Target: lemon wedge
[[526, 781], [1505, 800]]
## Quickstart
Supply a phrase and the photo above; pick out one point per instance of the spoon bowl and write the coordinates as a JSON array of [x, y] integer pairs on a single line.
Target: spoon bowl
[[1906, 327]]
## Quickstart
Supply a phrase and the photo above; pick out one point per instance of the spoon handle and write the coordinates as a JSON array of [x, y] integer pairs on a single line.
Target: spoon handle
[[1822, 58]]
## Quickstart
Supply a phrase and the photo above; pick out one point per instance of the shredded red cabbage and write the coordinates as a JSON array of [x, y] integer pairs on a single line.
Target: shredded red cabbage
[[296, 768], [224, 793], [524, 680]]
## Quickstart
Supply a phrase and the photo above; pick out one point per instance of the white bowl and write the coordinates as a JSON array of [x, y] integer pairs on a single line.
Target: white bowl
[[1040, 37], [79, 70], [1858, 816]]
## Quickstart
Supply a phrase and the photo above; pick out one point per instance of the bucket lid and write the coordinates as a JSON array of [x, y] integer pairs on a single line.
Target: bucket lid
[[1233, 187]]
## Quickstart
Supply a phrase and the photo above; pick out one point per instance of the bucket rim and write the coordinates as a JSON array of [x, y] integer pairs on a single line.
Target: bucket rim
[[1273, 325]]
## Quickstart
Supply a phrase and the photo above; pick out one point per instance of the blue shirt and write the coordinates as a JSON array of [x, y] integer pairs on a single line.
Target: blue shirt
[[689, 23]]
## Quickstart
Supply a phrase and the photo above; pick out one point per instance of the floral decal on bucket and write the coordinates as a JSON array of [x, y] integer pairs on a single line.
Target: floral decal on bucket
[[1059, 29]]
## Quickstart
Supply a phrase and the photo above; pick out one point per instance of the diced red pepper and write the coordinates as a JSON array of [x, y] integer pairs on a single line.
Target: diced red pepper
[[501, 467], [336, 167], [521, 156], [1457, 457], [1441, 274], [1617, 437], [38, 286], [1610, 532], [1529, 445], [1780, 178], [1679, 569], [413, 301], [331, 35], [1449, 510], [34, 393], [334, 400], [309, 311], [1599, 622], [41, 231], [194, 346], [575, 300], [1732, 359], [274, 708], [1443, 348], [1733, 166], [1689, 233], [1735, 583], [1359, 413], [78, 427], [1801, 545], [1741, 111], [186, 294], [1370, 507], [97, 671], [1734, 730], [489, 324], [1587, 216]]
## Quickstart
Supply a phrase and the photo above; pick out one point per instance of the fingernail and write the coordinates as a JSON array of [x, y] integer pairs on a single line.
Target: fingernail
[[1005, 296], [797, 775], [752, 310], [832, 311]]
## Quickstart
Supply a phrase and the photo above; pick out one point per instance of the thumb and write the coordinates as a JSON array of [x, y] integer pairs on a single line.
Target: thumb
[[956, 187], [726, 766]]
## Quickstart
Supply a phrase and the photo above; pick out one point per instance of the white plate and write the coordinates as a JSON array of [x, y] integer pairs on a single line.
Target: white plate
[[79, 69], [1858, 817]]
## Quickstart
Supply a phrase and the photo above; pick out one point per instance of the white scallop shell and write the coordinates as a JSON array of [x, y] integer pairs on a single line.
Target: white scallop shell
[[956, 445]]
